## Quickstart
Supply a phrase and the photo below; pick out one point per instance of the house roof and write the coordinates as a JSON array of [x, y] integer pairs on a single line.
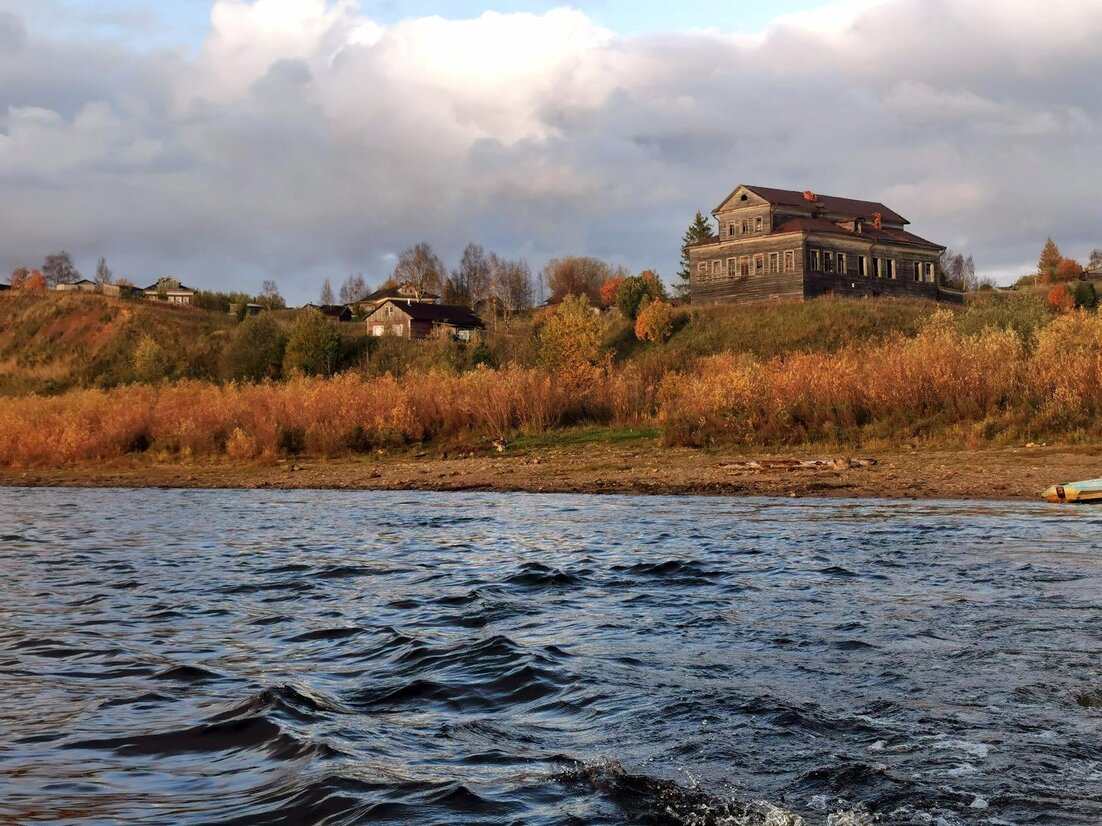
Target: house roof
[[702, 243], [438, 313], [334, 310], [821, 225], [179, 287], [832, 203], [384, 293]]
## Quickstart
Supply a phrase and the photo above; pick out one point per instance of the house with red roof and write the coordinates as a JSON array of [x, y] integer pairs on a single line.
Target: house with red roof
[[780, 243]]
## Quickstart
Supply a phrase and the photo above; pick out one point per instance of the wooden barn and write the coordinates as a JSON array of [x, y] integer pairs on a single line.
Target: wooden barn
[[780, 243]]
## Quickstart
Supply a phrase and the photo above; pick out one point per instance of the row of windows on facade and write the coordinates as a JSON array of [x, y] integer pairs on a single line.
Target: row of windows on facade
[[818, 261], [743, 227]]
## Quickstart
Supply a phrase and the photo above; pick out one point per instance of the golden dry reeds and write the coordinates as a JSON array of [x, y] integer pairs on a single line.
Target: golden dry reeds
[[938, 384]]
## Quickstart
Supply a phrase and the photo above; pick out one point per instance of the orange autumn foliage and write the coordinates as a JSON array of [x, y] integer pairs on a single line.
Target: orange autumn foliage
[[609, 290], [1061, 299]]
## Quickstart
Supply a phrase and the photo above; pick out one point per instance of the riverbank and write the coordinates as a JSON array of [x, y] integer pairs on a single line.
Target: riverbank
[[632, 467]]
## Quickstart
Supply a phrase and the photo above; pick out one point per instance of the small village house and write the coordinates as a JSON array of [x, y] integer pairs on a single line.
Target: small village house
[[411, 319], [171, 290], [85, 285], [779, 243], [403, 292], [336, 312]]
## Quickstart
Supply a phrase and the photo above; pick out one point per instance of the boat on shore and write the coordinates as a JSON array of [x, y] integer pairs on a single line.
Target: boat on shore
[[1089, 490]]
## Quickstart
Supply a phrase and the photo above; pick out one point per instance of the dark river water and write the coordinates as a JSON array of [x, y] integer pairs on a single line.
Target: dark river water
[[178, 657]]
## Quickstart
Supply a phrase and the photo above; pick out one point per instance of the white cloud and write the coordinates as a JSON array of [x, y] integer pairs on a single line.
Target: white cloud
[[307, 140]]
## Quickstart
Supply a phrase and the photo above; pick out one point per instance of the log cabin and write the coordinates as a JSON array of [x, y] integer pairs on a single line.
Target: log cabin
[[780, 243]]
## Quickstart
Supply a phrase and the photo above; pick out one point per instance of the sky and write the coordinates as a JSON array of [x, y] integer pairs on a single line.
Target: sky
[[227, 142]]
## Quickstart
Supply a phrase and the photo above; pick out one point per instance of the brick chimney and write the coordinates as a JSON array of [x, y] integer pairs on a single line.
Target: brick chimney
[[810, 196], [877, 220]]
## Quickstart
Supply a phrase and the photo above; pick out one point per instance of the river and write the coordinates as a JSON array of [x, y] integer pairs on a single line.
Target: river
[[179, 657]]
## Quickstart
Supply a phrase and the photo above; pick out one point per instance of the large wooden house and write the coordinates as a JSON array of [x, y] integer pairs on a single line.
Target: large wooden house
[[780, 243]]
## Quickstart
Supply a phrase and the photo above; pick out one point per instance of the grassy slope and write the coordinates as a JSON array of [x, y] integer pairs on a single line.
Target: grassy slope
[[56, 341]]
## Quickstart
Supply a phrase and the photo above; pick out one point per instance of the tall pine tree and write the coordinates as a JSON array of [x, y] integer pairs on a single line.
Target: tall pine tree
[[699, 230], [1050, 260]]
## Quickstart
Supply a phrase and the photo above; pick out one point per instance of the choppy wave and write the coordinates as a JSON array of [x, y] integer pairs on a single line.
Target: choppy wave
[[345, 658]]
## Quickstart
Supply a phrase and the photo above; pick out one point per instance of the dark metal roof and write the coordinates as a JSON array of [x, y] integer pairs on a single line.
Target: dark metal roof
[[332, 310], [852, 207], [438, 313]]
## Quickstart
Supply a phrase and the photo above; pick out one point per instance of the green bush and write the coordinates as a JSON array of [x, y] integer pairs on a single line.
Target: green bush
[[1085, 295], [255, 350]]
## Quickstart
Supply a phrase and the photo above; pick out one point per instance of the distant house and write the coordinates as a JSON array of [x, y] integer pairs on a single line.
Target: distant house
[[171, 290], [85, 285], [780, 243], [411, 319], [337, 312], [4, 287], [403, 292], [1093, 273]]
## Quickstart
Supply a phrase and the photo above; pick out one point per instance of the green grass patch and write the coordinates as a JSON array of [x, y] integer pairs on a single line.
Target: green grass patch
[[581, 436]]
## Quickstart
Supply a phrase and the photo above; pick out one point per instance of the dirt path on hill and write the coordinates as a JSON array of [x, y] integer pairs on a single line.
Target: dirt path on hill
[[1007, 473]]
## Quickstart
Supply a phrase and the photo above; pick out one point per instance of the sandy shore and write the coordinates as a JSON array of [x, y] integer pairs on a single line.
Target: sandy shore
[[1005, 473]]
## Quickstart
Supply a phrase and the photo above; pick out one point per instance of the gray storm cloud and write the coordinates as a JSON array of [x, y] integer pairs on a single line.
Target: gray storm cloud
[[305, 141]]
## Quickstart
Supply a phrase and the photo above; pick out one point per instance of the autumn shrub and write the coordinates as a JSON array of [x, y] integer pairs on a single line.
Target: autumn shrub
[[1085, 295], [312, 345], [654, 322], [150, 361], [1060, 299]]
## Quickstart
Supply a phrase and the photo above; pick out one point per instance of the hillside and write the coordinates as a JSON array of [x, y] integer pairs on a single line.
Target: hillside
[[57, 341], [53, 342]]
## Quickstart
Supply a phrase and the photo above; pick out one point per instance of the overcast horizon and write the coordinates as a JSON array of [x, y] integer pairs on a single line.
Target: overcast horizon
[[230, 142]]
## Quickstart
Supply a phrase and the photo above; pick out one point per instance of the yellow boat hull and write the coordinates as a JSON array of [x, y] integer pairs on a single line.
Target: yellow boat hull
[[1088, 491]]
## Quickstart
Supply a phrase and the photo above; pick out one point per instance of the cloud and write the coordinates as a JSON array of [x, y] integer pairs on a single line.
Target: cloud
[[305, 140]]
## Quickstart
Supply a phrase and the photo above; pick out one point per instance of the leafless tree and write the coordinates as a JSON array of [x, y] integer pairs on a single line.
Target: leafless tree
[[270, 297], [420, 267], [327, 297], [103, 272], [353, 289], [576, 275], [58, 269]]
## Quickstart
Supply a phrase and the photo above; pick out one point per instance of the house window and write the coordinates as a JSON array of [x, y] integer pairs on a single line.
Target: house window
[[889, 266], [815, 261], [759, 263], [397, 329], [757, 224], [789, 261], [715, 266], [389, 310], [702, 269], [745, 226], [878, 267], [774, 262], [918, 271], [731, 266], [730, 229], [828, 261], [843, 264], [378, 330], [744, 266], [862, 266], [931, 273]]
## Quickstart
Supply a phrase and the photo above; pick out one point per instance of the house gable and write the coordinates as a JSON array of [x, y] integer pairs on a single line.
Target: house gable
[[742, 197]]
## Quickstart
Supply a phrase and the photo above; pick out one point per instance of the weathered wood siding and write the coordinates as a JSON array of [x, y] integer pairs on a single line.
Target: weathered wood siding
[[724, 282]]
